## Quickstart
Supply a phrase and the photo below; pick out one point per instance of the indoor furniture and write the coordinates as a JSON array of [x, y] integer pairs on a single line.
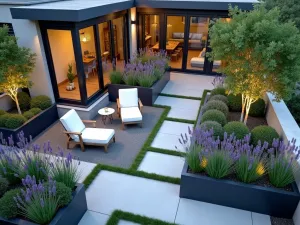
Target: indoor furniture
[[78, 133]]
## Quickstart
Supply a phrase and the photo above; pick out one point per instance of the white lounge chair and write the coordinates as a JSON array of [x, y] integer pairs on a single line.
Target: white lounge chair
[[130, 107], [79, 134]]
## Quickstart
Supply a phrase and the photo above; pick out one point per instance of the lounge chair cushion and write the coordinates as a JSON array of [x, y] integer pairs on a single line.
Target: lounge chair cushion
[[96, 135], [128, 97], [132, 114], [72, 123]]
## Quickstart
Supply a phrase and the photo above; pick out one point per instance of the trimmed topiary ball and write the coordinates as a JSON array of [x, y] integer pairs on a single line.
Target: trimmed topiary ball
[[28, 115], [217, 128], [4, 118], [35, 111], [235, 102], [3, 185], [8, 206], [216, 104], [24, 100], [41, 101], [214, 115], [2, 112], [239, 129], [219, 98], [15, 121], [218, 91], [263, 133], [258, 108], [63, 192]]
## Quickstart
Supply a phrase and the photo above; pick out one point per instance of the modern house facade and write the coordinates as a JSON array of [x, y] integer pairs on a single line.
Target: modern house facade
[[95, 37]]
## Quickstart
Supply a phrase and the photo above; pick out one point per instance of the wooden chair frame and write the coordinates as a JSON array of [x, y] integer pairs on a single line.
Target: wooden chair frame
[[132, 122], [79, 134]]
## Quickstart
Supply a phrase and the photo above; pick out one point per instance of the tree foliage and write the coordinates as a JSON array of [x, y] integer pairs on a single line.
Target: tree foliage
[[260, 54], [15, 65]]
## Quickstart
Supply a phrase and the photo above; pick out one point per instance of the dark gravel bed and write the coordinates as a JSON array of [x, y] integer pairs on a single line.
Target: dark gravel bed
[[252, 121], [281, 221]]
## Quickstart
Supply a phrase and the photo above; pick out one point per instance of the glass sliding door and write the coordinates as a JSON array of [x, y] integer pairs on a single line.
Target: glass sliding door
[[89, 59], [175, 36], [198, 33], [119, 41], [151, 26]]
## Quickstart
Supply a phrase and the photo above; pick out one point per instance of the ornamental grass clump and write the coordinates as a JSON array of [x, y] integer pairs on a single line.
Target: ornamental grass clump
[[36, 202], [283, 163]]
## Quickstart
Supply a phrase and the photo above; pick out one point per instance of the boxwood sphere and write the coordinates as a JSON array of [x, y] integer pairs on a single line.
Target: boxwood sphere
[[35, 111], [217, 128], [28, 115], [15, 121], [219, 98], [24, 100], [263, 133], [239, 129], [214, 115], [258, 108], [2, 112], [8, 206], [3, 185], [41, 101], [218, 91], [216, 104], [235, 102]]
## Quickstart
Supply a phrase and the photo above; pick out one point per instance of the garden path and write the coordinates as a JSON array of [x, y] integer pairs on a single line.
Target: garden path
[[155, 199]]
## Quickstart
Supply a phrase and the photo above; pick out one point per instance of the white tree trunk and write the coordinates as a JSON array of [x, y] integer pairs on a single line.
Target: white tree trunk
[[244, 101], [249, 102], [17, 104]]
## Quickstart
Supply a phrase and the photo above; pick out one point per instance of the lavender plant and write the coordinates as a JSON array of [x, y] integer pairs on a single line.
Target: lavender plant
[[218, 81], [283, 163], [250, 164], [36, 202]]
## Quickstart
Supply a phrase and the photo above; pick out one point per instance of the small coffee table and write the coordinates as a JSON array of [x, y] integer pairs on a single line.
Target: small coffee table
[[106, 113]]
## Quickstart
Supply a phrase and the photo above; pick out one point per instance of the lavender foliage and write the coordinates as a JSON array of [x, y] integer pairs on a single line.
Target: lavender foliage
[[219, 81]]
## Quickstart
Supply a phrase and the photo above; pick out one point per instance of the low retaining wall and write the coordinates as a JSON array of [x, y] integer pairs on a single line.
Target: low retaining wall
[[280, 118], [6, 102]]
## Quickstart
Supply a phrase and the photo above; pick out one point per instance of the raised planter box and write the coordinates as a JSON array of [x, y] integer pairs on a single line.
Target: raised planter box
[[70, 215], [270, 201], [147, 95], [35, 125]]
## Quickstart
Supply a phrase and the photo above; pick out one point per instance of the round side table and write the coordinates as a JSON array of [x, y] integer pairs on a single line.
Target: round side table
[[106, 113]]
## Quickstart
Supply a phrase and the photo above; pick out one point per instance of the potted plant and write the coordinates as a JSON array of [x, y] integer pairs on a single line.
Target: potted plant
[[71, 77]]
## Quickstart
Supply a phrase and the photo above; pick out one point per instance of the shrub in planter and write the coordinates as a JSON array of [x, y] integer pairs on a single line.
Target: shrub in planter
[[115, 77], [263, 133], [218, 91], [8, 206], [216, 104], [24, 100], [219, 98], [217, 128], [3, 185], [214, 115], [41, 101], [28, 115], [294, 106], [63, 192], [239, 129], [15, 121], [235, 102], [258, 108], [2, 112], [192, 158], [35, 111], [4, 118]]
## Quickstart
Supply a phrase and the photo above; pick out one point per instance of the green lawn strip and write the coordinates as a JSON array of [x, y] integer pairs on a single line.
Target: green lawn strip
[[180, 96], [180, 120], [89, 179], [165, 151], [118, 215], [201, 104], [150, 138]]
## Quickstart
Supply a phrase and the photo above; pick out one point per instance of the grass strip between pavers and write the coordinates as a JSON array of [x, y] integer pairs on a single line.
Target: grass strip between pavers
[[201, 104], [180, 96], [118, 215], [166, 151], [180, 120]]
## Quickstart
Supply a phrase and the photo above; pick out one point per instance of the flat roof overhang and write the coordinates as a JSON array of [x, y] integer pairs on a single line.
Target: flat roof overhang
[[80, 10], [70, 11]]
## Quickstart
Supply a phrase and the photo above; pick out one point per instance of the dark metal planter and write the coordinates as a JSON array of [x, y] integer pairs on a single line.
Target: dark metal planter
[[35, 125], [69, 215], [147, 95], [270, 201]]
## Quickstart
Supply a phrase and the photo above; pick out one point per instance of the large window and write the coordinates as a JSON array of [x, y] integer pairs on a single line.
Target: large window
[[62, 52], [151, 25], [119, 48]]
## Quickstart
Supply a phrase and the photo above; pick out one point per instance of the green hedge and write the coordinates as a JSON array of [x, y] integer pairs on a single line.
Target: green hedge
[[235, 102], [239, 129], [24, 100], [263, 133], [294, 106], [218, 105], [41, 101], [2, 112], [214, 115], [3, 119], [15, 121], [258, 108]]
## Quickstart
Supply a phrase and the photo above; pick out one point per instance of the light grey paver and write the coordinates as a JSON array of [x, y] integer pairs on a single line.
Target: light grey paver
[[168, 142], [162, 164], [110, 191], [260, 219], [176, 128], [93, 218], [192, 212]]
